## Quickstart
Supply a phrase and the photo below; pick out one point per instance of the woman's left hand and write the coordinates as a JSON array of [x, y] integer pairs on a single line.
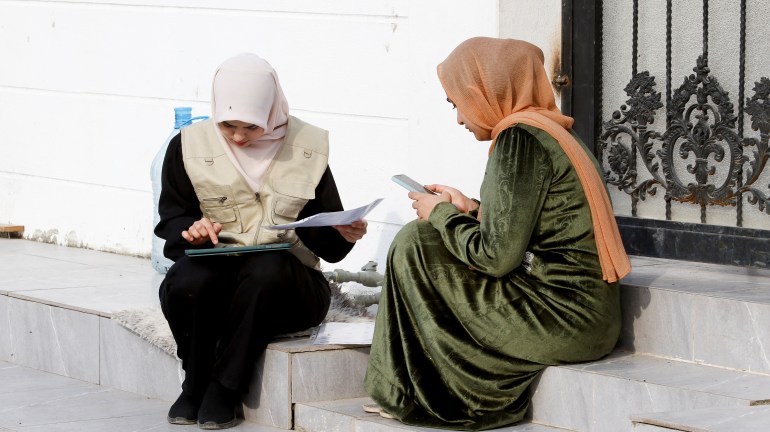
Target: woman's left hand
[[353, 232], [424, 202]]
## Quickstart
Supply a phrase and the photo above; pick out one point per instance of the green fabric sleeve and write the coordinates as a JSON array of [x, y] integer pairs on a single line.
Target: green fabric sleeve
[[513, 191]]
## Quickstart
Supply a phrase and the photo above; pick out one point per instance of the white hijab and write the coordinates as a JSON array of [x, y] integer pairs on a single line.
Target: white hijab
[[246, 89]]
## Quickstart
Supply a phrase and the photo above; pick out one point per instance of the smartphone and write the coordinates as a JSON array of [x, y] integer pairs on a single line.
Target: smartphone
[[410, 184]]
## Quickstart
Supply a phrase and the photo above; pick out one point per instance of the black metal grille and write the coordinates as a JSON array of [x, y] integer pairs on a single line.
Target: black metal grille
[[724, 165]]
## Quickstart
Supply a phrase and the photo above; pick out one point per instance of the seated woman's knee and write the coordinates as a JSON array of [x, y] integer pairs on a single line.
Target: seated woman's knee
[[189, 278], [415, 235], [269, 269]]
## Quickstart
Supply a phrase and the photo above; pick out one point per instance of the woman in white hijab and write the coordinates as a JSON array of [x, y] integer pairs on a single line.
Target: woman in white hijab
[[224, 181]]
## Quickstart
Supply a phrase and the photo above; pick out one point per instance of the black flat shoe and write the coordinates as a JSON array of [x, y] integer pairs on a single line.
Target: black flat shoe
[[217, 410], [185, 410]]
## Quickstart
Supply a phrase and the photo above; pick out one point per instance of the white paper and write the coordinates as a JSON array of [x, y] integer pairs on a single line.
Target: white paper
[[360, 333], [345, 217]]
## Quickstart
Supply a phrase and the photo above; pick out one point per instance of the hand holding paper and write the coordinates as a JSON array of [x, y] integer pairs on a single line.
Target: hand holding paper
[[353, 232], [345, 217]]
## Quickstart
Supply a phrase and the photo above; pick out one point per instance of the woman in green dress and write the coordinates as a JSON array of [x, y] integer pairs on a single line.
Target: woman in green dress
[[480, 296]]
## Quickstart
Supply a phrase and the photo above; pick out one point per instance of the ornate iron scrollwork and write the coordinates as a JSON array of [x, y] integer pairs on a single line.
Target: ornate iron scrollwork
[[631, 121], [758, 107], [701, 129], [708, 133]]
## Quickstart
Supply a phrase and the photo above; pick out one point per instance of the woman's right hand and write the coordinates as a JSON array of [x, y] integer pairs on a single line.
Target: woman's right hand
[[202, 231], [462, 202]]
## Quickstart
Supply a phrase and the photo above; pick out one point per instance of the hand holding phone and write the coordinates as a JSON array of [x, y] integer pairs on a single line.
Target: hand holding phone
[[410, 184]]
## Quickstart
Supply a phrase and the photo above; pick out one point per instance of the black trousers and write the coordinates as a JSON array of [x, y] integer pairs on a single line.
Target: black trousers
[[224, 310]]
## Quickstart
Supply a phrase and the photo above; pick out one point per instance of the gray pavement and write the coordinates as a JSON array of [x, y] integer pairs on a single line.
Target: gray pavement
[[32, 400]]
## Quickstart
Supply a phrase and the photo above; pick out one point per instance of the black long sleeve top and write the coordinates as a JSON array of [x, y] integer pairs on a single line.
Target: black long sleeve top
[[179, 208]]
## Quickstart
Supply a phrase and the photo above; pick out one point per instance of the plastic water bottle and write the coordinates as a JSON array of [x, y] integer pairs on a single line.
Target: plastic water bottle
[[182, 117]]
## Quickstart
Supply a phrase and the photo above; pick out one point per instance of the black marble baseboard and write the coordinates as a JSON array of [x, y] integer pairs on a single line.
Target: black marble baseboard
[[695, 242]]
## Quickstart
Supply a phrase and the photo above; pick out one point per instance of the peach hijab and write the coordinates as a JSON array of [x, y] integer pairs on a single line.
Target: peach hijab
[[497, 83]]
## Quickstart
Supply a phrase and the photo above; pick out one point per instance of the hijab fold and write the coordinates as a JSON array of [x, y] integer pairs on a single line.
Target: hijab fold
[[497, 83], [246, 88]]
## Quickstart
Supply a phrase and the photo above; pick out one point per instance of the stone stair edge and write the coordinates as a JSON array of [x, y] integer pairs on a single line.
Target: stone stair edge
[[622, 351], [347, 414], [601, 396], [633, 361], [717, 419]]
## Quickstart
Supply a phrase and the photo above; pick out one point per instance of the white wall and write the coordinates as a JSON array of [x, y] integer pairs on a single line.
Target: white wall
[[538, 22], [87, 91]]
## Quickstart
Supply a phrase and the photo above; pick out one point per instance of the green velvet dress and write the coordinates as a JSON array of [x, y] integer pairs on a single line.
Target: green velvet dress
[[471, 311]]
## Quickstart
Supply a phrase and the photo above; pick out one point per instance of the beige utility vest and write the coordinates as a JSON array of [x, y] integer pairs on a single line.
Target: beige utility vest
[[289, 183]]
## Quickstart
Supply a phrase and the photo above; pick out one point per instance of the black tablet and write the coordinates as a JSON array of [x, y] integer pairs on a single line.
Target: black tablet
[[236, 250]]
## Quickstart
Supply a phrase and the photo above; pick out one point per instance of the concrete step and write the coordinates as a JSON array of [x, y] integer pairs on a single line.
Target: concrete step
[[348, 416], [602, 396], [702, 313], [733, 419]]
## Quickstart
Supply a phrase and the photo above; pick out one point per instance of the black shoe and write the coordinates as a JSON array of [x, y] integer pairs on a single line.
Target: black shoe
[[185, 410], [217, 410]]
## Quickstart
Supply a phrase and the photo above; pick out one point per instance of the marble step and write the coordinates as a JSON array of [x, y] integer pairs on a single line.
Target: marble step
[[347, 416], [97, 350], [732, 419], [103, 352], [702, 313], [290, 371], [602, 396], [57, 302], [295, 371], [84, 345]]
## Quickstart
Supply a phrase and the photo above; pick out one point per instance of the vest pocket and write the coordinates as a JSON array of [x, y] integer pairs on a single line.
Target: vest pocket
[[288, 208], [218, 204], [290, 199]]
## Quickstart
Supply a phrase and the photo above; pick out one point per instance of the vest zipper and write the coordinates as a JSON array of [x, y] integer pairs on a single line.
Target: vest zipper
[[259, 224]]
